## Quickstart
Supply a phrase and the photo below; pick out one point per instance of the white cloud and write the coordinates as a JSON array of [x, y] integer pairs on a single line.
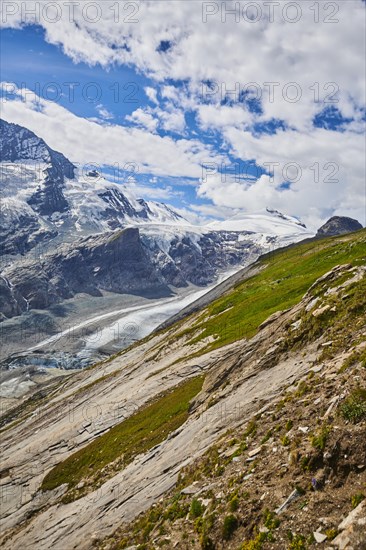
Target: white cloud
[[222, 116], [228, 52], [144, 119], [328, 167], [170, 119], [85, 141], [152, 94], [104, 113], [320, 61]]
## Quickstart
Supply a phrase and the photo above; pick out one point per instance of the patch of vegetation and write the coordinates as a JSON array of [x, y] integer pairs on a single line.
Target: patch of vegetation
[[355, 357], [266, 437], [229, 527], [256, 543], [354, 407], [251, 429], [234, 503], [196, 509], [206, 542], [284, 277], [357, 499], [297, 541], [137, 434], [331, 533], [338, 325], [271, 521], [289, 425], [319, 440]]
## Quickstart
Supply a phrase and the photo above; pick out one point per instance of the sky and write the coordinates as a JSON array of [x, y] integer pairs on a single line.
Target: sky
[[212, 107]]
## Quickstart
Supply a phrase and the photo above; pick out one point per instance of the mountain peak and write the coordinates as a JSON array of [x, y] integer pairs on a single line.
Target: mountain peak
[[338, 225], [17, 143], [284, 216]]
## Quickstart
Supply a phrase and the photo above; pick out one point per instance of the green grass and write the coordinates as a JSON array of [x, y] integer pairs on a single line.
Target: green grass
[[137, 434], [354, 407], [286, 276]]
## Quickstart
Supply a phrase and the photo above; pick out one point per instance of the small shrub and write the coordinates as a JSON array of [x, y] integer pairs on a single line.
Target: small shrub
[[289, 425], [219, 470], [251, 429], [300, 490], [305, 463], [234, 504], [266, 437], [285, 440], [230, 525], [331, 533], [196, 509], [319, 440], [206, 542], [297, 541], [198, 525], [256, 543], [302, 389], [350, 361], [354, 408], [356, 499], [271, 521]]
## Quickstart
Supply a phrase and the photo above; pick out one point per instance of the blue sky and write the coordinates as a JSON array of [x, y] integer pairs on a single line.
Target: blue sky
[[187, 109], [109, 94]]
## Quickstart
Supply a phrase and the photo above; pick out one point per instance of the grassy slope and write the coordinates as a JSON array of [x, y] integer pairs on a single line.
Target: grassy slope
[[137, 434], [286, 276]]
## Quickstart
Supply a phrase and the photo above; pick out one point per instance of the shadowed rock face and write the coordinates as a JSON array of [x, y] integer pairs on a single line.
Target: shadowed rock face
[[338, 225], [112, 262], [22, 233]]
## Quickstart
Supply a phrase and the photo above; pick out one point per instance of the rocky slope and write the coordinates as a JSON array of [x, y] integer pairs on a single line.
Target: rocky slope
[[281, 413]]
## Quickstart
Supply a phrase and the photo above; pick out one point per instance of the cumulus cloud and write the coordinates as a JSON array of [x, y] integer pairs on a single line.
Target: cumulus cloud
[[168, 119], [324, 169], [85, 141], [294, 58], [143, 118]]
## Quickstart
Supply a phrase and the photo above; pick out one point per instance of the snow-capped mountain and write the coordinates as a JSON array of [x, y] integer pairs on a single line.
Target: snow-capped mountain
[[43, 192], [266, 222], [64, 232]]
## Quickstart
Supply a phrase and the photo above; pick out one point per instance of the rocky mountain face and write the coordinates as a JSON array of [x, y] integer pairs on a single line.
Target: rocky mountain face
[[116, 262], [242, 426], [338, 225], [19, 145], [121, 262], [56, 241]]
